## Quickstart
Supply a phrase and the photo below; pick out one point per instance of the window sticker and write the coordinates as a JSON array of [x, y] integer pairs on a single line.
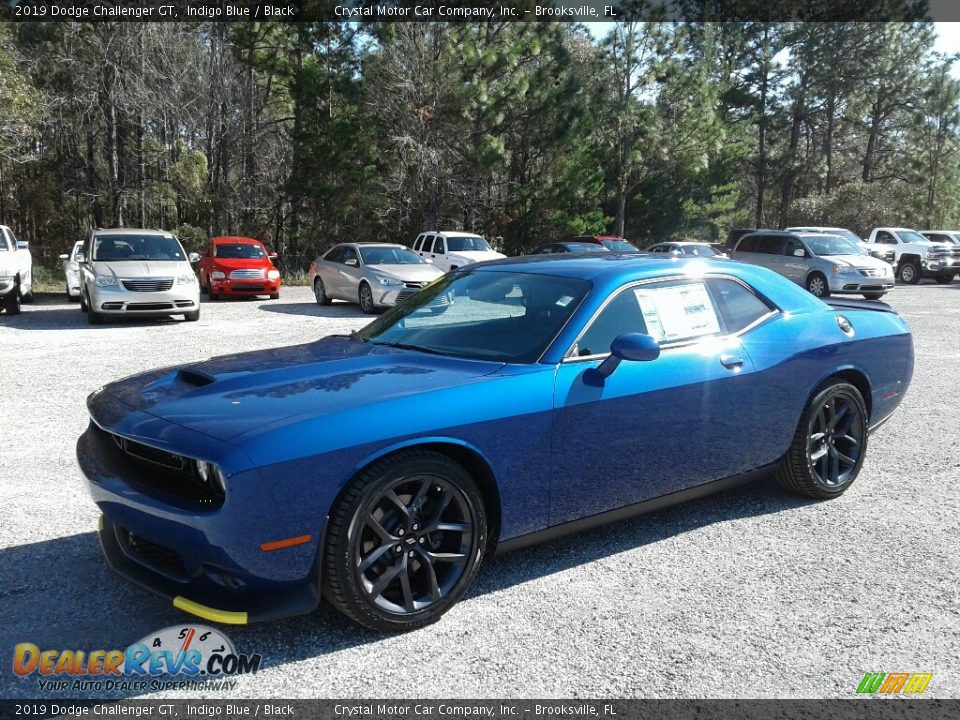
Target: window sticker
[[677, 312], [565, 300]]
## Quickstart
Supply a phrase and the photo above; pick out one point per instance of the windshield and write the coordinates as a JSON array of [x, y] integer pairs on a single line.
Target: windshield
[[471, 242], [848, 234], [239, 250], [503, 316], [390, 256], [912, 236], [700, 250], [619, 246], [833, 245], [130, 246]]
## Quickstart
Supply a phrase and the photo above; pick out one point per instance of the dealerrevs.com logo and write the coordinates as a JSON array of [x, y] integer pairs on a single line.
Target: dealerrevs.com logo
[[196, 655], [894, 683]]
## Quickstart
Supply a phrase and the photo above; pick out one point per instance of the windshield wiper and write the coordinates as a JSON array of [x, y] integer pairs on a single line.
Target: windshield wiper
[[408, 346]]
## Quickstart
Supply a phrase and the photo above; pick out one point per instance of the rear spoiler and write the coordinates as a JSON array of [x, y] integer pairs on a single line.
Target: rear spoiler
[[857, 304]]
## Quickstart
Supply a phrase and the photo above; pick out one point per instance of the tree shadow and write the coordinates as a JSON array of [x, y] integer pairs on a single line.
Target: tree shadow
[[61, 594]]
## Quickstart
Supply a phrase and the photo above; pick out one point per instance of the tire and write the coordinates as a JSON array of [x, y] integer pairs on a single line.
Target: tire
[[95, 318], [11, 301], [944, 279], [320, 293], [874, 295], [390, 505], [204, 289], [214, 296], [817, 285], [909, 273], [366, 299], [274, 296], [192, 316], [821, 463]]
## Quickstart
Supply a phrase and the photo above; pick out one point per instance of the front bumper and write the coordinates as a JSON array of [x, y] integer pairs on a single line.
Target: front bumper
[[116, 300], [856, 283], [207, 561], [945, 267], [390, 296], [247, 288]]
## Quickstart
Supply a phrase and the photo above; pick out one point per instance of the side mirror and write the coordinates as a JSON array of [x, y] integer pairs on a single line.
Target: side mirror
[[193, 258], [80, 257], [64, 256], [629, 346], [272, 256], [429, 260], [800, 252], [352, 262], [23, 245]]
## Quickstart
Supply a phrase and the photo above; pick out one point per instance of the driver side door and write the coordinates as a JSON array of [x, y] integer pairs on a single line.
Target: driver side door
[[657, 427]]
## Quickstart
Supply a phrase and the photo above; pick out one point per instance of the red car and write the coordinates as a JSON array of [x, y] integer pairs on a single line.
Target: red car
[[238, 266]]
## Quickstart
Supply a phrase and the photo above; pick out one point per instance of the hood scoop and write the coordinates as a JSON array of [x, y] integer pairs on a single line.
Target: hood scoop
[[197, 378]]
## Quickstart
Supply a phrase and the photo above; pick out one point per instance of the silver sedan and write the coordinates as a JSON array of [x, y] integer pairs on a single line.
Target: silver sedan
[[371, 274], [71, 271]]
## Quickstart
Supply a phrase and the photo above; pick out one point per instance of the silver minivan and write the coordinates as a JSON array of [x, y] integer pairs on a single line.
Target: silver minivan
[[821, 263]]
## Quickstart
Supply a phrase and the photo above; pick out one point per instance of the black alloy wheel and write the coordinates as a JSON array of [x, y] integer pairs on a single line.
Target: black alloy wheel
[[829, 445], [405, 541], [366, 299]]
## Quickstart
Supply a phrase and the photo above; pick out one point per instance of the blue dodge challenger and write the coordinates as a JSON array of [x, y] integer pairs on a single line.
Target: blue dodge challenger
[[503, 405]]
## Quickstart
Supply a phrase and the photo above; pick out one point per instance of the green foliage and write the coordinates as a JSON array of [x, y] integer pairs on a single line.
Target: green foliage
[[194, 239]]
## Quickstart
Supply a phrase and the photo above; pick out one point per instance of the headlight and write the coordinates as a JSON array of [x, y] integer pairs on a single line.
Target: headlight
[[106, 280], [842, 269], [273, 275], [217, 275], [389, 281], [186, 279], [211, 476]]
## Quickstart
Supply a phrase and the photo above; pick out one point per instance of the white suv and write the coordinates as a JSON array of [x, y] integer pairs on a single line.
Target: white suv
[[137, 273], [449, 250]]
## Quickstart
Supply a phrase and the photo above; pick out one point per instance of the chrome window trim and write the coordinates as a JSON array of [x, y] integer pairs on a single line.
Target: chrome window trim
[[775, 310]]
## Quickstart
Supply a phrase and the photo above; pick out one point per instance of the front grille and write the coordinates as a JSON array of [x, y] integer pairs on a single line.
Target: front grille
[[870, 272], [161, 471], [247, 275], [404, 294], [151, 306], [414, 285], [156, 557], [148, 284]]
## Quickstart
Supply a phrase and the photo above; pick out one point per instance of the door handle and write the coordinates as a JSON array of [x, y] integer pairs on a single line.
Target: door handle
[[732, 362]]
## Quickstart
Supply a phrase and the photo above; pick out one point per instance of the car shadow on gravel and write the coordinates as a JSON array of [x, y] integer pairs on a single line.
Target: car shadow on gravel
[[335, 310], [61, 594], [52, 311]]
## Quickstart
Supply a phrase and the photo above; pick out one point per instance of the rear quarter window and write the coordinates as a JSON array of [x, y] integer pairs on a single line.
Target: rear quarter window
[[737, 306]]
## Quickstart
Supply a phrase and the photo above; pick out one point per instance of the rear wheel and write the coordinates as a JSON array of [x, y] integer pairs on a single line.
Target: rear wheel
[[366, 299], [829, 445], [404, 541], [817, 285], [909, 273]]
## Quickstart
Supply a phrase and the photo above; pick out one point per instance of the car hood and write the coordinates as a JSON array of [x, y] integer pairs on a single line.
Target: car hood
[[859, 261], [242, 263], [409, 272], [478, 255], [230, 395], [142, 268]]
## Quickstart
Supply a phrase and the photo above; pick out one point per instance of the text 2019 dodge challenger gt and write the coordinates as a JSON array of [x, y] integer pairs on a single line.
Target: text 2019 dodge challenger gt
[[377, 470]]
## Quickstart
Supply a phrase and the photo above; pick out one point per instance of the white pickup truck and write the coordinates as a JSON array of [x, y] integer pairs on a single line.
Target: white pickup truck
[[16, 271], [917, 256]]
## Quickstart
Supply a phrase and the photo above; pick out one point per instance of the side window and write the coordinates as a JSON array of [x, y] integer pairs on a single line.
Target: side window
[[427, 245], [349, 254], [335, 255], [621, 315], [792, 246], [885, 238], [748, 243], [770, 245], [938, 237], [738, 306], [416, 243], [438, 246]]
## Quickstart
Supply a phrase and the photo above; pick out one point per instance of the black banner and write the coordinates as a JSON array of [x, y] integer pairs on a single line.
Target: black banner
[[203, 709], [477, 10]]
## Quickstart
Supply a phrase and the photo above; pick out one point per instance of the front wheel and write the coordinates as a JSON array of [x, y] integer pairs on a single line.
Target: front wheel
[[909, 273], [192, 316], [829, 445], [404, 542], [11, 302], [944, 279], [873, 295], [366, 299], [817, 285]]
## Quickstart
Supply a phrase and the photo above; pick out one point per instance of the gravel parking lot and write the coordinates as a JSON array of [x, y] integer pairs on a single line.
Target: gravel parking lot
[[751, 593]]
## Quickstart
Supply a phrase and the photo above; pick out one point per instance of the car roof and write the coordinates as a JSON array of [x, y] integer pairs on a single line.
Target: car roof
[[451, 233], [132, 231], [814, 228], [375, 244], [591, 266], [680, 242]]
